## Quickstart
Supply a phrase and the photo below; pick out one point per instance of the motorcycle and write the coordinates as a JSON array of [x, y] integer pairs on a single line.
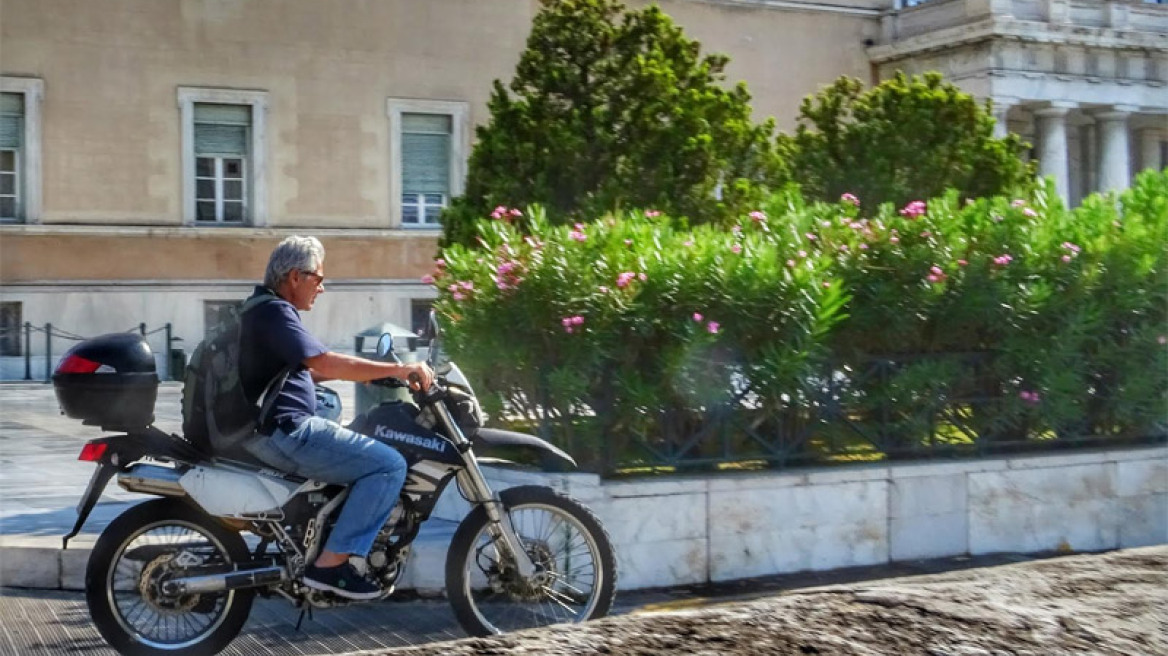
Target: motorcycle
[[178, 574]]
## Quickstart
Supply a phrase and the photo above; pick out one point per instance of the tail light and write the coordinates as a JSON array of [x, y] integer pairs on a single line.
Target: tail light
[[93, 451], [75, 364]]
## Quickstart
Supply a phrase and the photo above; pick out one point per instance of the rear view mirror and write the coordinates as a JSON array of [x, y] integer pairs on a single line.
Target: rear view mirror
[[384, 346]]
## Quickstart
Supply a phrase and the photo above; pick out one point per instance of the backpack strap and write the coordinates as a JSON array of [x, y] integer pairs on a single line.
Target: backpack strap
[[270, 393]]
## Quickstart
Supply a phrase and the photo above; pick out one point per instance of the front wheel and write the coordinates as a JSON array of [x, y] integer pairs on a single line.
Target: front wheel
[[136, 554], [575, 569]]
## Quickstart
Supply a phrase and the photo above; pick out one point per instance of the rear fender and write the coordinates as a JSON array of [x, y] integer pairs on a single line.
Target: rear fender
[[490, 442]]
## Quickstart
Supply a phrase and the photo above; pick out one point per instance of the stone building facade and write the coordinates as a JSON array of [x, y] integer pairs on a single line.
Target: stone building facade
[[153, 151]]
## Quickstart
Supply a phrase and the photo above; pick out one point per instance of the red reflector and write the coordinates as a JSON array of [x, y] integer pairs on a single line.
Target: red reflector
[[93, 451], [75, 364]]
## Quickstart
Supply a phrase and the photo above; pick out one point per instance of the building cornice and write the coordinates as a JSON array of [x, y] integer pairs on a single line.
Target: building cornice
[[210, 232], [947, 38]]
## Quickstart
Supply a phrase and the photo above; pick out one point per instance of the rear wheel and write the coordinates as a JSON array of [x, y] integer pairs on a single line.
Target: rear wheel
[[136, 554], [575, 569]]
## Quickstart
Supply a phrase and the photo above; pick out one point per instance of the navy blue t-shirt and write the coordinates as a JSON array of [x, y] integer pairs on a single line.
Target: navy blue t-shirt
[[272, 337]]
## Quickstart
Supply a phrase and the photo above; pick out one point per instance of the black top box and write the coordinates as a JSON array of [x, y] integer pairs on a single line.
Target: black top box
[[108, 381]]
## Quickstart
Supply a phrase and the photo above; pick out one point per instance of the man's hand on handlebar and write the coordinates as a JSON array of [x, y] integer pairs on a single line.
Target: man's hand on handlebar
[[418, 375]]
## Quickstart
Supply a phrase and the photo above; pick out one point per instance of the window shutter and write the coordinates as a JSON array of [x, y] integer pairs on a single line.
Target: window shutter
[[11, 120], [221, 129], [426, 153]]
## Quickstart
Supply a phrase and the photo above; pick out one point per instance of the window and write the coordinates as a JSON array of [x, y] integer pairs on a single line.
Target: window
[[428, 154], [420, 315], [212, 311], [20, 149], [224, 156], [221, 138], [10, 328], [425, 166]]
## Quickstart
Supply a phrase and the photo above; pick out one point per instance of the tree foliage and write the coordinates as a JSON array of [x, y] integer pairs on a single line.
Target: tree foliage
[[612, 108], [904, 139]]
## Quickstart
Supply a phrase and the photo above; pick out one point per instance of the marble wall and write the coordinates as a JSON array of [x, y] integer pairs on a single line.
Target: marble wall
[[680, 530]]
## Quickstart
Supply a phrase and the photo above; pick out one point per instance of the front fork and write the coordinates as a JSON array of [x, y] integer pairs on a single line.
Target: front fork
[[473, 482]]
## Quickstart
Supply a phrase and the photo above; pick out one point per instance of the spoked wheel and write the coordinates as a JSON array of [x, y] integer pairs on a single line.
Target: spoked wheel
[[134, 558], [575, 569]]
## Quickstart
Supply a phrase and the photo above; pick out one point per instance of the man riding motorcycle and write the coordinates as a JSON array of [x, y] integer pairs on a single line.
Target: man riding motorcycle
[[292, 439]]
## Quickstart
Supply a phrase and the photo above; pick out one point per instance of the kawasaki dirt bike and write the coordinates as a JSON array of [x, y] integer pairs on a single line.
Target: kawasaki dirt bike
[[178, 574]]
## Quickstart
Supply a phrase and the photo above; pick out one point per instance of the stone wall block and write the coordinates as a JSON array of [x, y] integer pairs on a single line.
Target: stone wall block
[[1143, 520], [1043, 509], [1141, 477], [651, 519], [661, 563]]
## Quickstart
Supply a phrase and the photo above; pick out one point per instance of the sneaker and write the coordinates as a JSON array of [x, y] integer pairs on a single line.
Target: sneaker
[[342, 580]]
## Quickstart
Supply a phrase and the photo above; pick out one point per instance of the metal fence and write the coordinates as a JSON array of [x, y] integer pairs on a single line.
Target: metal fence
[[40, 347], [875, 409]]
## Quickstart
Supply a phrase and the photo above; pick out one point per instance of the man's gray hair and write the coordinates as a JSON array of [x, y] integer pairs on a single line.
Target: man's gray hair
[[295, 252]]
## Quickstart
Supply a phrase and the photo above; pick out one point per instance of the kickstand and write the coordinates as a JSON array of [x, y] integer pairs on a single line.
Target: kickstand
[[307, 610]]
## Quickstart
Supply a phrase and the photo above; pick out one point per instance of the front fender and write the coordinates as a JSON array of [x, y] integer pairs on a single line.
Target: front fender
[[548, 456]]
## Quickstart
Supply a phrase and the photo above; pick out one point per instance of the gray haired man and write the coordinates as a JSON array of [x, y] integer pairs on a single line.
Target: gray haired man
[[293, 439]]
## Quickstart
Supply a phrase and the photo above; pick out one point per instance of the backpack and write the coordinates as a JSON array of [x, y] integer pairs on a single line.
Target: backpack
[[217, 415]]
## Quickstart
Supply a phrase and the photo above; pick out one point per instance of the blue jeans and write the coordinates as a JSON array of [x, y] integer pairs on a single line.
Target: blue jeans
[[325, 451]]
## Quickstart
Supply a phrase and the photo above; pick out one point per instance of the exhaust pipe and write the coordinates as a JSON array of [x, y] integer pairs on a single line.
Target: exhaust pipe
[[152, 479], [248, 578]]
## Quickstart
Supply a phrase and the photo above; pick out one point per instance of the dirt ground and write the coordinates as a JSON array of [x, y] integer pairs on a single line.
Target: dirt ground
[[1113, 603]]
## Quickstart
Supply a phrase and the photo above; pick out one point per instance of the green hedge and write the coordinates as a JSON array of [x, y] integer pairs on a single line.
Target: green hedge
[[809, 331]]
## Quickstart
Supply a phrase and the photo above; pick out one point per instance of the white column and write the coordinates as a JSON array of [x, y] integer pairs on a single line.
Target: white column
[[1052, 154], [1001, 107], [1150, 150], [1114, 148]]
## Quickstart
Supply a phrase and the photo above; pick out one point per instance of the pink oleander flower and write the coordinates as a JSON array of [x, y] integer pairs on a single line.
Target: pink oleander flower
[[688, 243], [570, 323], [849, 198], [1030, 397], [1029, 212], [863, 247], [810, 236], [499, 212], [1018, 202], [926, 234], [1071, 247], [440, 263], [515, 211], [578, 236], [1003, 260], [937, 270], [826, 284], [458, 296], [652, 213], [697, 316], [736, 249], [625, 278], [791, 263], [962, 262], [997, 218], [856, 225], [757, 216], [602, 289], [1066, 258], [427, 279], [736, 229], [843, 248], [894, 239], [914, 209], [802, 253], [825, 223], [643, 277], [712, 327], [628, 242], [467, 285], [1162, 339]]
